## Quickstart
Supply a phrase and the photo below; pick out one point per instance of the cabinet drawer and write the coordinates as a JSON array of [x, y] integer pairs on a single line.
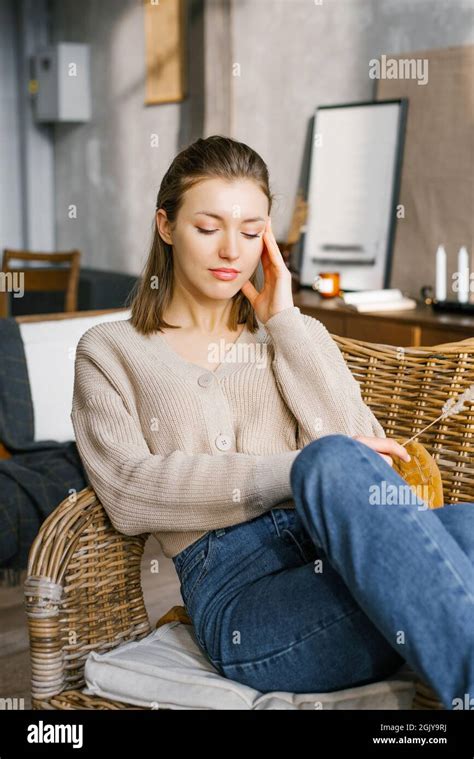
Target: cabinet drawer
[[334, 323], [435, 336], [374, 331]]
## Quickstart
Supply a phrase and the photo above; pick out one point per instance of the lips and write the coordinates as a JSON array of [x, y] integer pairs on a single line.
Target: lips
[[224, 274], [227, 271]]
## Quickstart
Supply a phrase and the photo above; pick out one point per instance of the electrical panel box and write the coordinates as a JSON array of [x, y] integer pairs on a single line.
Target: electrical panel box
[[62, 73]]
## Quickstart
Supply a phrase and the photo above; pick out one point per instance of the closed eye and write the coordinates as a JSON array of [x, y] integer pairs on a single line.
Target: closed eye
[[211, 232]]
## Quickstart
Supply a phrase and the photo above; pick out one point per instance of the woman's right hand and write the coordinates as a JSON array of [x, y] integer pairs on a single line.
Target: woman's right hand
[[276, 294], [384, 446]]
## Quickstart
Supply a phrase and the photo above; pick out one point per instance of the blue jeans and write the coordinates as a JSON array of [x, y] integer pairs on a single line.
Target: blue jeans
[[339, 591]]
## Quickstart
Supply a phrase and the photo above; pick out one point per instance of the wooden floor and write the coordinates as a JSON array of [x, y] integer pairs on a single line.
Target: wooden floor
[[160, 590]]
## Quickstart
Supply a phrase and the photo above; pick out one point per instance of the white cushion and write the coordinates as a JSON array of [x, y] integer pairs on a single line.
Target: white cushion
[[168, 669], [50, 350]]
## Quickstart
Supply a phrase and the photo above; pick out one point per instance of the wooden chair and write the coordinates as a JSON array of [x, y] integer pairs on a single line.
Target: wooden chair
[[48, 279], [83, 588]]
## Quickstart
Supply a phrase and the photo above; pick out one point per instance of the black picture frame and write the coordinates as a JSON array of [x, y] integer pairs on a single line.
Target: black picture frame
[[310, 264]]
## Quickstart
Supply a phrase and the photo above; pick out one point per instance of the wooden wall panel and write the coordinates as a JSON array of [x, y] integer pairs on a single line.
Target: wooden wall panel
[[165, 51]]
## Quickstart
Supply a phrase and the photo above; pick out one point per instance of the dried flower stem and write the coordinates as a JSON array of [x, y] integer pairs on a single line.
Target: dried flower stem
[[450, 408]]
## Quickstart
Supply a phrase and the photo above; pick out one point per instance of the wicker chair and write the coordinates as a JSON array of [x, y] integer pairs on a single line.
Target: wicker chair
[[83, 588]]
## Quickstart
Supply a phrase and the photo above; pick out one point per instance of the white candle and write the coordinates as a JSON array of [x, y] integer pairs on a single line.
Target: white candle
[[463, 270], [440, 273]]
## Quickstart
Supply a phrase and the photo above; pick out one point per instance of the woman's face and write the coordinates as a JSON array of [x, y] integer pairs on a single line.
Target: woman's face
[[219, 226]]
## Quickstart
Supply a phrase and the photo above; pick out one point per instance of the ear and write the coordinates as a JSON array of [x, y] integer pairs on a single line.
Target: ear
[[163, 226]]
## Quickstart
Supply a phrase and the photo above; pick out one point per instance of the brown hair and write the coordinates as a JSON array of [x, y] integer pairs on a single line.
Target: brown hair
[[212, 157]]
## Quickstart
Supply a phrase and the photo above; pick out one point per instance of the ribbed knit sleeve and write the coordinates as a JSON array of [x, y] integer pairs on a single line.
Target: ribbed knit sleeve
[[144, 492], [315, 381]]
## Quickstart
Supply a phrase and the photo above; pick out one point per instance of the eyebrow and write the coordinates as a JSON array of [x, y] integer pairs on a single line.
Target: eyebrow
[[216, 216]]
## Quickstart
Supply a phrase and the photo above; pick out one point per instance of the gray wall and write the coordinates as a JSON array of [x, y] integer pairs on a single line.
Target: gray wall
[[11, 216], [294, 55], [26, 148], [107, 168]]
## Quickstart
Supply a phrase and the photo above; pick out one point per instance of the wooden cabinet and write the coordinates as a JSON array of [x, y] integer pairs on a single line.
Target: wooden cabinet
[[371, 330], [420, 326]]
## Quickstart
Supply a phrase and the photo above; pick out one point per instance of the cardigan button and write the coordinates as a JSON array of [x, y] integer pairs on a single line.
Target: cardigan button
[[223, 442], [205, 380]]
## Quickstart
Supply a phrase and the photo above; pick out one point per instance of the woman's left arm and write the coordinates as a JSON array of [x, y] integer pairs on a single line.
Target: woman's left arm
[[315, 381], [313, 378]]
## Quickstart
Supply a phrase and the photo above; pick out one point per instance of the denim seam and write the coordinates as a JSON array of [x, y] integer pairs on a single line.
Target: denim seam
[[188, 568], [300, 549], [444, 557], [203, 570]]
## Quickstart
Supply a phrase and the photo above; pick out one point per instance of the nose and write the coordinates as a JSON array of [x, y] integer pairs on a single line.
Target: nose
[[230, 248]]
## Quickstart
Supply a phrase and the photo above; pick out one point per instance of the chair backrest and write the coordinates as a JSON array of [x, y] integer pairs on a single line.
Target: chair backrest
[[48, 279], [406, 389], [82, 592]]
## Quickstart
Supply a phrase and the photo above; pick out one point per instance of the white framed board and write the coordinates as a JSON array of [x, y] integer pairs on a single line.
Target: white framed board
[[352, 193]]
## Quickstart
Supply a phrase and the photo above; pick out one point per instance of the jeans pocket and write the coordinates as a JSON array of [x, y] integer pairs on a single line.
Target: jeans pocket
[[193, 566], [302, 544]]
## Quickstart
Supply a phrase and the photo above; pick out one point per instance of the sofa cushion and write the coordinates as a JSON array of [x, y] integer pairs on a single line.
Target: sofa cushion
[[50, 348], [168, 669]]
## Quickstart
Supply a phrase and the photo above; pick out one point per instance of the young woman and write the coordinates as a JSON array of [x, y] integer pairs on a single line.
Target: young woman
[[227, 423]]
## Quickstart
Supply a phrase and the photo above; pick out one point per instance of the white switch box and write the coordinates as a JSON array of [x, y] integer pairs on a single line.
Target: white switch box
[[62, 72]]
